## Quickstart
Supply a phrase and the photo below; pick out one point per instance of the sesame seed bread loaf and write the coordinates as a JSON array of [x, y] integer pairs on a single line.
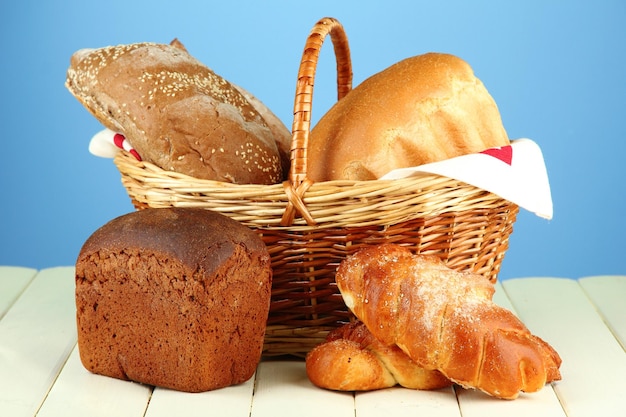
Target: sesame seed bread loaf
[[173, 297], [177, 113], [422, 109]]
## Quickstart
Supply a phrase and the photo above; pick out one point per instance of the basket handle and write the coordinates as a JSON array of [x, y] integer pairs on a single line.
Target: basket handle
[[301, 128]]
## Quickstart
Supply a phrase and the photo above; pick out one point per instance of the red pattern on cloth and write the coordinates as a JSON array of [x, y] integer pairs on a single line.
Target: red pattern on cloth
[[503, 153]]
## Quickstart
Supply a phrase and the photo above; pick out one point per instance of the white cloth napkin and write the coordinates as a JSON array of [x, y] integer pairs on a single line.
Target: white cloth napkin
[[107, 143], [516, 173]]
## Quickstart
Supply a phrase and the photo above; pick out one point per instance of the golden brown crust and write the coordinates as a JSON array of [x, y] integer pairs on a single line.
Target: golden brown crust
[[176, 112], [352, 359], [343, 365], [423, 109], [445, 320]]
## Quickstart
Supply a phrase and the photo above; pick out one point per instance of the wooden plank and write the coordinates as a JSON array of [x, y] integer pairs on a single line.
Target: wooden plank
[[501, 299], [283, 389], [78, 393], [13, 280], [544, 403], [233, 401], [474, 403], [37, 335], [594, 364], [608, 294], [399, 402]]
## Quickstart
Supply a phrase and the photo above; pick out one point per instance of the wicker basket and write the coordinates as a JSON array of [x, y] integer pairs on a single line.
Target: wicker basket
[[310, 227]]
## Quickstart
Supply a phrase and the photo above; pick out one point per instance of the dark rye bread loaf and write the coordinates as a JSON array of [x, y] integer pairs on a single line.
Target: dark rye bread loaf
[[173, 297]]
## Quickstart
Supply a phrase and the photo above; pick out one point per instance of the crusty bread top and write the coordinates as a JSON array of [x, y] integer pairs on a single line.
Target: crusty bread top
[[423, 109], [176, 112], [198, 238]]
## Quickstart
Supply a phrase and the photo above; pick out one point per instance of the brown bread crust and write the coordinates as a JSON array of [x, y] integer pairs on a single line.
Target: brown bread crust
[[177, 298], [176, 112]]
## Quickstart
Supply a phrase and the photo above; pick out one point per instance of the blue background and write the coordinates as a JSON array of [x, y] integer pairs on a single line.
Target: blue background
[[556, 69]]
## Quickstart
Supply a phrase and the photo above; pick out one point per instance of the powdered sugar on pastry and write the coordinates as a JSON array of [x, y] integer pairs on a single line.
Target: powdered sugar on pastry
[[445, 320]]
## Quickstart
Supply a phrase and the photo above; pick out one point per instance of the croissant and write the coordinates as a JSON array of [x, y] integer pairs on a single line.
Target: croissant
[[351, 359], [445, 320]]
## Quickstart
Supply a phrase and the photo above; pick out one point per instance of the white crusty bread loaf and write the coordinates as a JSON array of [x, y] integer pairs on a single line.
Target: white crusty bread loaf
[[176, 112], [423, 109]]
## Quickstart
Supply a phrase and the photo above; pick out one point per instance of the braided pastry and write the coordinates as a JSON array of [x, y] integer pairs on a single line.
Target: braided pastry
[[351, 359], [445, 320]]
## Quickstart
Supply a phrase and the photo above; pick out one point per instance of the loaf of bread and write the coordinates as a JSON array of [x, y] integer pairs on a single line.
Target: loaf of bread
[[178, 114], [352, 359], [423, 109], [445, 320], [173, 297]]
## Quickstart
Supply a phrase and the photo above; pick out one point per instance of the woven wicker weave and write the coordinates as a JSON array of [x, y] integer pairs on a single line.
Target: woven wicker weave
[[310, 227]]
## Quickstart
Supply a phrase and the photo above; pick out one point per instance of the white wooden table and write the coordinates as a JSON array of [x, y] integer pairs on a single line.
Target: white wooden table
[[41, 374]]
